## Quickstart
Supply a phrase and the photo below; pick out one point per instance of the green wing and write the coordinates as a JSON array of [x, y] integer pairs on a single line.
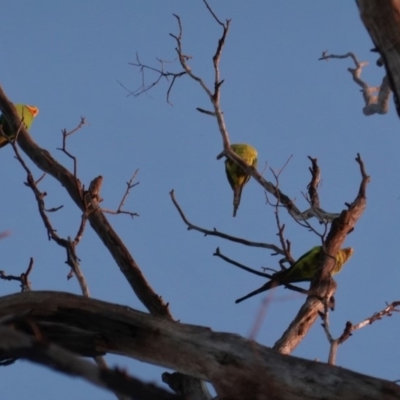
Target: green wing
[[26, 114], [303, 269]]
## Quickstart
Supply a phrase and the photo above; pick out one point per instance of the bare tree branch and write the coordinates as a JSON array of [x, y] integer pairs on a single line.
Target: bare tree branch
[[144, 88], [98, 221], [89, 327], [23, 278], [314, 183], [386, 312], [119, 210], [214, 232], [14, 344], [373, 104], [323, 286], [381, 19], [349, 327]]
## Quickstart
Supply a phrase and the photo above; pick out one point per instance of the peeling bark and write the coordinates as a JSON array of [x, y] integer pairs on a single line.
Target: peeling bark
[[237, 368]]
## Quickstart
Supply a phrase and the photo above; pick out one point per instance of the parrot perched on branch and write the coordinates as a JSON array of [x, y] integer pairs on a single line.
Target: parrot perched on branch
[[236, 176], [302, 270], [26, 113]]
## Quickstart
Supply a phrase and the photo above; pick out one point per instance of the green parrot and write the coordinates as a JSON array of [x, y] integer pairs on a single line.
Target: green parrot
[[302, 270], [236, 176], [26, 113]]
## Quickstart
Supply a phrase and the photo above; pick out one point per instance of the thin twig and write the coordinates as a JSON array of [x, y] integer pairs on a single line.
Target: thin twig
[[129, 186], [144, 88], [65, 135], [286, 245], [73, 262], [214, 232], [349, 327], [241, 266], [23, 278]]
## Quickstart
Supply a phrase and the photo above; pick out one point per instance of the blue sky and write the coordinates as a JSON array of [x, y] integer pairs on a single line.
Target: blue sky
[[67, 58]]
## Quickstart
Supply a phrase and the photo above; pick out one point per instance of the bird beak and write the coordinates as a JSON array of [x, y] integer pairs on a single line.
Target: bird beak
[[33, 110]]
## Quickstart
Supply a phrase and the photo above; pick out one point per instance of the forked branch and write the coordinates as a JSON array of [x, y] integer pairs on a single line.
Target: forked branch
[[323, 287], [374, 104]]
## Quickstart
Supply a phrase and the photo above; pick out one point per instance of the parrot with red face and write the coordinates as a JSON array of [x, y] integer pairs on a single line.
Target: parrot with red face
[[26, 113]]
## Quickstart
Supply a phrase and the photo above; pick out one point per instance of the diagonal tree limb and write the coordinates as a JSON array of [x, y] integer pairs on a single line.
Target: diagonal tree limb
[[323, 286], [128, 266], [382, 21], [44, 161]]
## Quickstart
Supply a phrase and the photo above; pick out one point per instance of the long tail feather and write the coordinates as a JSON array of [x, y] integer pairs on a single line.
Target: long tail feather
[[237, 194], [269, 285]]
